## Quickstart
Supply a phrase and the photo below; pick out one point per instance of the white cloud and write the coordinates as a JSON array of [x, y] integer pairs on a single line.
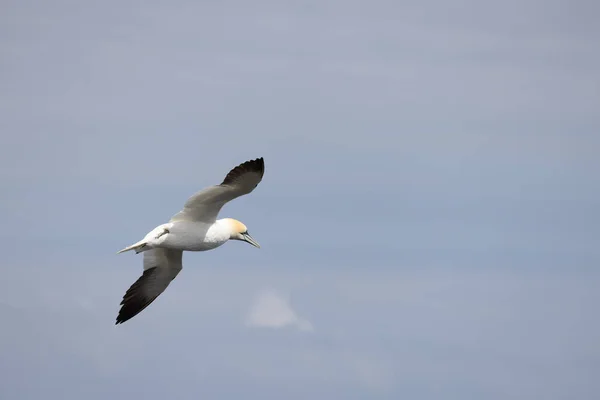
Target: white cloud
[[272, 310]]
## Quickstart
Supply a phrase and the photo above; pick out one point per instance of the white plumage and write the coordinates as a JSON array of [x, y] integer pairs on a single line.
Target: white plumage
[[194, 228]]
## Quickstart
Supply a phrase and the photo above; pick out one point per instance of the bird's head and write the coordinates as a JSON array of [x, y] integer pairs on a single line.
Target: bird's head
[[238, 231]]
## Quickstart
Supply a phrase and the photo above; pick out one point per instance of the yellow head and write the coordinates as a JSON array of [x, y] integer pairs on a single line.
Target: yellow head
[[238, 231]]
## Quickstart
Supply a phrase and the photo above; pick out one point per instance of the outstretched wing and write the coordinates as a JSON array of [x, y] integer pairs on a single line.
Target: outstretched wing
[[161, 266], [205, 205]]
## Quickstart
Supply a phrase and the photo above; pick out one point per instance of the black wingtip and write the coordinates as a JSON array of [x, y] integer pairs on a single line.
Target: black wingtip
[[257, 166], [135, 301]]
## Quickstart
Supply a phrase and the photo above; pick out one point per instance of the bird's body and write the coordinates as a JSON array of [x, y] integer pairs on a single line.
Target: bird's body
[[197, 236], [184, 235], [194, 228]]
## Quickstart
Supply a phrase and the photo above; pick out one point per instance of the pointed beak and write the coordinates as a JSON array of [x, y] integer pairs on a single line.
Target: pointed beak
[[250, 239]]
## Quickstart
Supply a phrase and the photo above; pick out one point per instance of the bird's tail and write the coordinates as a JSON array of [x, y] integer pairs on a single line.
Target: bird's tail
[[138, 247]]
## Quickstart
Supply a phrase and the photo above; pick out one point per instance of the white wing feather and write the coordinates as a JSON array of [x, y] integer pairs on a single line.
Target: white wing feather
[[206, 204]]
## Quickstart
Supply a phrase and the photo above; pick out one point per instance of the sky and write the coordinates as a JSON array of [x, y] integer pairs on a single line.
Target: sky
[[428, 216]]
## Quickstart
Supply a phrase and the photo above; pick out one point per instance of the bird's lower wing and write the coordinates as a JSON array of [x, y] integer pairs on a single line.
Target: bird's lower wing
[[161, 266]]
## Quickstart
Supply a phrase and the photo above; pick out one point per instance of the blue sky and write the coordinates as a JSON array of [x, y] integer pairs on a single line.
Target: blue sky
[[428, 217]]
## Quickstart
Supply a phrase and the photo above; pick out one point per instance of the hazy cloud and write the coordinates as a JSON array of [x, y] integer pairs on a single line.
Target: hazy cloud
[[273, 310]]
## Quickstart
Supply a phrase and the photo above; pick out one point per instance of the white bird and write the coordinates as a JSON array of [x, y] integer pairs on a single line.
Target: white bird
[[194, 228]]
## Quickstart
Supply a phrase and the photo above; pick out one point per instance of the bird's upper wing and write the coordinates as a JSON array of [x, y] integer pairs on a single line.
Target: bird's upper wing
[[161, 266], [205, 205]]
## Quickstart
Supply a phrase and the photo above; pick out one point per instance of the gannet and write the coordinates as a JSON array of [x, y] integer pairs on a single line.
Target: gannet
[[194, 228]]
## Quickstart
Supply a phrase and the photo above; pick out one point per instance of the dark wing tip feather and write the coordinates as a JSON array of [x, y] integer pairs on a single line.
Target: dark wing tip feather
[[255, 166], [135, 299]]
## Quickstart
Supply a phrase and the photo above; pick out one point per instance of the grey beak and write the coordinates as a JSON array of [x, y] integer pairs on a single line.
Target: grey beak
[[250, 240]]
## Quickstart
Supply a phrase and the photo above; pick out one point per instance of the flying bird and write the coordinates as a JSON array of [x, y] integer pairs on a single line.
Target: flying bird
[[194, 228]]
